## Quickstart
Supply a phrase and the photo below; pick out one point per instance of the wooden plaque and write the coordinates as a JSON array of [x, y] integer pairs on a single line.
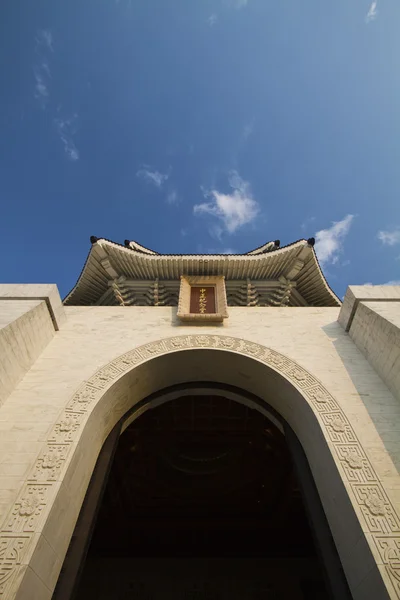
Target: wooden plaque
[[202, 299]]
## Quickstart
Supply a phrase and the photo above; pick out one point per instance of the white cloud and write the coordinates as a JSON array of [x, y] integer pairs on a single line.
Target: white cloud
[[44, 37], [328, 244], [153, 176], [173, 197], [235, 209], [372, 13], [66, 129], [389, 238], [212, 19]]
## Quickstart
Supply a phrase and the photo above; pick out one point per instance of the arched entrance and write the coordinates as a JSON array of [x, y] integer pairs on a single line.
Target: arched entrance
[[204, 492], [361, 518]]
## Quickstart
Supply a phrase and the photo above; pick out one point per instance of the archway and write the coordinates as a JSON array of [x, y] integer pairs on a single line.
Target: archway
[[203, 492], [353, 499]]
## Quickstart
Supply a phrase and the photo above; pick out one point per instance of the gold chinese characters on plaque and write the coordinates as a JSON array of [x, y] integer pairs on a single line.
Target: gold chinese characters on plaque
[[202, 299]]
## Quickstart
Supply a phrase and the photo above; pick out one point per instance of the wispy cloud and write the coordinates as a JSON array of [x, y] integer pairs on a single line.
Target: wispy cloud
[[238, 3], [392, 282], [44, 37], [306, 223], [389, 238], [248, 130], [42, 75], [235, 209], [66, 129], [153, 176], [172, 197], [212, 19], [329, 242], [41, 71], [372, 12], [221, 251]]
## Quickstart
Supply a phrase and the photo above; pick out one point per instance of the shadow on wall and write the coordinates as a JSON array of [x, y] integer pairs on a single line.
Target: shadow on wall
[[383, 408], [176, 322]]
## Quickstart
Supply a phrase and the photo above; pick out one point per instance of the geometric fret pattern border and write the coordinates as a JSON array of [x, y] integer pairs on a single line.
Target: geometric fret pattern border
[[379, 515]]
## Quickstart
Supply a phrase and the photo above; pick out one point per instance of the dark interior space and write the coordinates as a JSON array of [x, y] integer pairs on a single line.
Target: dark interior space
[[202, 502]]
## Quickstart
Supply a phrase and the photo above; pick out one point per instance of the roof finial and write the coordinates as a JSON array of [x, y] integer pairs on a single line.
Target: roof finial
[[93, 239], [311, 241]]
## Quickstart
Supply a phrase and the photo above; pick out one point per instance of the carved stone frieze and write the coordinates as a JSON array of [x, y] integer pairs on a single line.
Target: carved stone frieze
[[48, 465], [27, 511], [127, 361], [12, 549], [320, 398], [301, 378], [355, 464], [177, 343], [254, 350], [338, 425], [278, 361], [228, 343], [338, 428], [389, 550], [63, 431], [203, 341], [154, 349], [106, 375], [82, 399], [354, 460], [377, 509]]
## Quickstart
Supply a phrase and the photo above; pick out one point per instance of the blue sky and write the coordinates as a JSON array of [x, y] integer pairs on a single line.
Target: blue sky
[[200, 126]]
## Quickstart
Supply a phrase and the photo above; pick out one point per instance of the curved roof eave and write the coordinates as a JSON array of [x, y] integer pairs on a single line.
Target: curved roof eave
[[150, 255]]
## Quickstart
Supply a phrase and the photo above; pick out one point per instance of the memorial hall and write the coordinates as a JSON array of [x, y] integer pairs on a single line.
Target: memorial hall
[[199, 427]]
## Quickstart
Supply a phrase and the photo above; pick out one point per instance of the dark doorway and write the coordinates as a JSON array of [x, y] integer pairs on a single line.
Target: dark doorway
[[202, 502]]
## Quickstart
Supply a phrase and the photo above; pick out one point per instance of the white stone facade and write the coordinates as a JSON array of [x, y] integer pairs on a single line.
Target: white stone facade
[[67, 374]]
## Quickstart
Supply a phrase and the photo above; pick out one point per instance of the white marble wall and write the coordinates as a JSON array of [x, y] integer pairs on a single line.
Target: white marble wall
[[371, 315], [91, 337], [25, 330]]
